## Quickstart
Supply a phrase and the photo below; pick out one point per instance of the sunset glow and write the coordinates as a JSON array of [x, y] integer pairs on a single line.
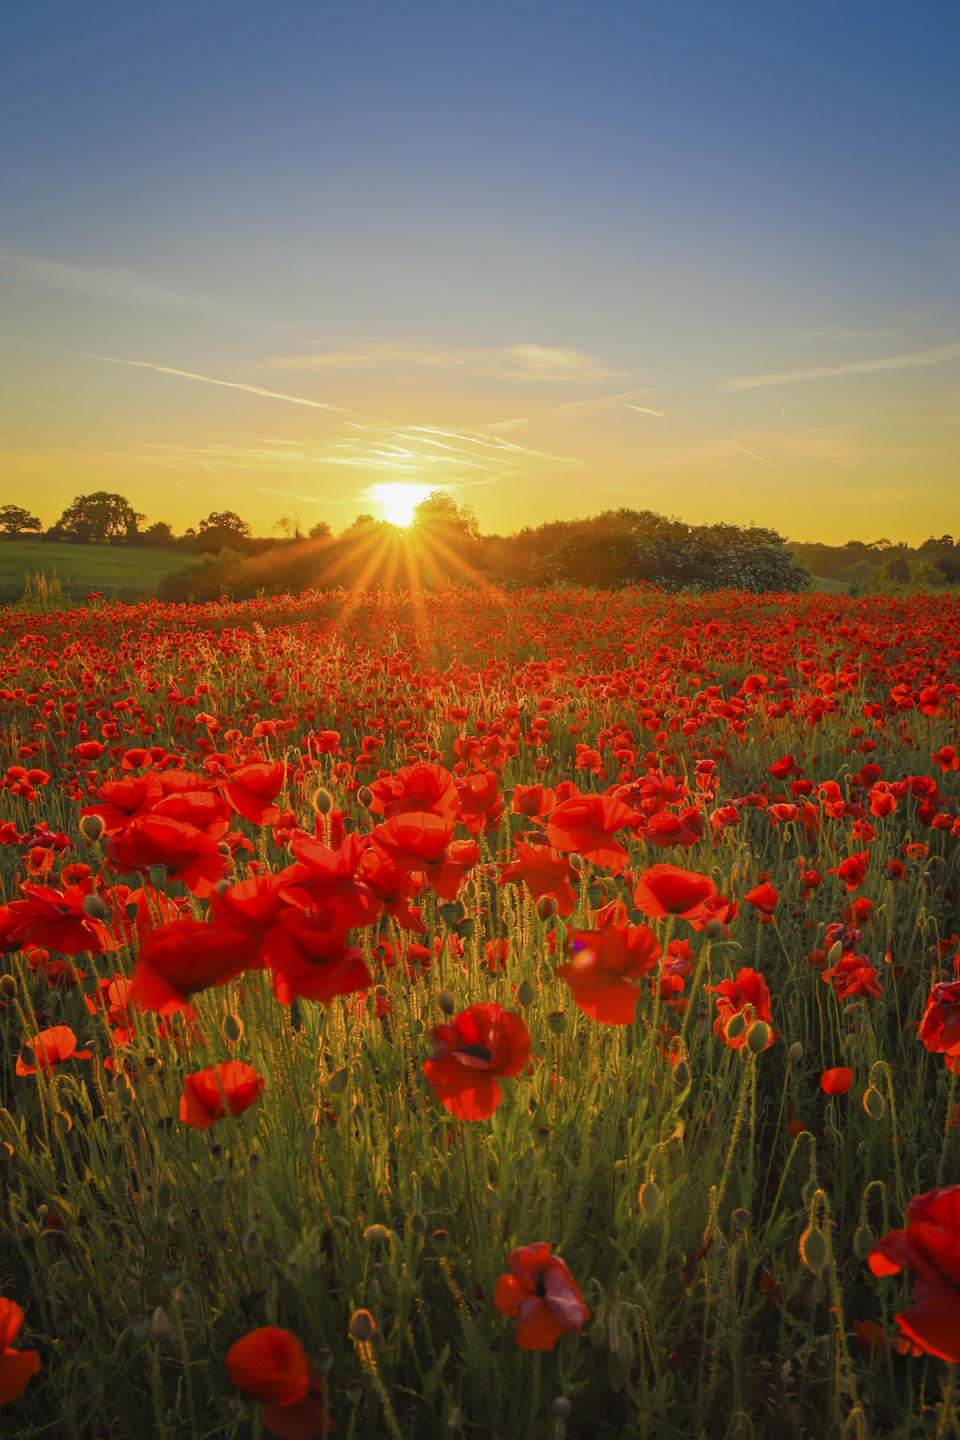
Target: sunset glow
[[397, 502]]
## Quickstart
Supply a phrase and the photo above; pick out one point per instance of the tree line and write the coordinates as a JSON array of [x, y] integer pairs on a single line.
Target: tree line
[[443, 543]]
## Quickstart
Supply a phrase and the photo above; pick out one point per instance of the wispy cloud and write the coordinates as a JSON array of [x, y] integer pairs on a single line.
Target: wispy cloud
[[838, 335], [524, 363], [117, 283], [493, 442], [645, 410], [856, 367]]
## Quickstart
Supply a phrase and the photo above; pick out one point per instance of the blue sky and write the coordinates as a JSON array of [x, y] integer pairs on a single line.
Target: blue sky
[[566, 242]]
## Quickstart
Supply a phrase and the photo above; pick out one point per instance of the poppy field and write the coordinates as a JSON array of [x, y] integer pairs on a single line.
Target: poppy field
[[481, 1014]]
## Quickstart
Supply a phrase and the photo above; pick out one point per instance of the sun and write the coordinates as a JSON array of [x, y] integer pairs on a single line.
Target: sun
[[398, 500]]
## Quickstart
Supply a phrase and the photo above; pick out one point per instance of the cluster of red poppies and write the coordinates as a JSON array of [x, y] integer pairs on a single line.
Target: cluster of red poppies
[[624, 742]]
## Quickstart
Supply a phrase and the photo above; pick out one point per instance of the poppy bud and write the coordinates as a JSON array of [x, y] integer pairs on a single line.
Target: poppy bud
[[557, 1021], [163, 1196], [813, 1249], [575, 861], [8, 986], [873, 1103], [758, 1037], [734, 1027], [322, 802], [232, 1028], [94, 907], [159, 1324], [525, 994], [376, 1234], [560, 1408], [864, 1239], [795, 1053], [252, 1242], [650, 1200], [447, 1002], [681, 1074], [833, 954], [466, 927], [92, 828], [363, 1327], [741, 1219], [28, 1058], [222, 886], [714, 930], [338, 1081], [364, 795], [323, 1361], [353, 1391], [157, 875], [546, 907]]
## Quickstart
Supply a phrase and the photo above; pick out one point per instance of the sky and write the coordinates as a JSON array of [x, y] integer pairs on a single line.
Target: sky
[[554, 258]]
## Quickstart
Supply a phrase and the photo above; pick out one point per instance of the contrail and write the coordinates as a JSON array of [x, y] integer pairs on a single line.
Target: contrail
[[857, 367], [189, 375], [755, 457]]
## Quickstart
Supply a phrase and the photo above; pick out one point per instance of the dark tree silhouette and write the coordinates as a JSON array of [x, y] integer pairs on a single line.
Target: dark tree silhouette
[[99, 516], [14, 520]]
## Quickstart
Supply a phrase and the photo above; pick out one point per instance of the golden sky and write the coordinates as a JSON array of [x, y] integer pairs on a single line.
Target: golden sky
[[705, 268]]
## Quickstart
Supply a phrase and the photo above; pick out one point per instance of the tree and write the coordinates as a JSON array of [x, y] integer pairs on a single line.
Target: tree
[[320, 531], [159, 533], [440, 514], [14, 520], [222, 529], [92, 519], [224, 520], [289, 528]]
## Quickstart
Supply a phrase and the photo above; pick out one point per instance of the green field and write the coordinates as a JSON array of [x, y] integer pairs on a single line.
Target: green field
[[120, 571]]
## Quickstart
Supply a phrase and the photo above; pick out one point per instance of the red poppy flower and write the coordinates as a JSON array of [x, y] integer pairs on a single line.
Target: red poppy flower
[[586, 824], [667, 890], [748, 996], [311, 962], [53, 919], [475, 1048], [415, 790], [929, 1246], [51, 1047], [252, 790], [16, 1366], [853, 870], [940, 1025], [836, 1081], [270, 1364], [668, 828], [763, 898], [603, 964], [226, 1089], [481, 804], [188, 854], [185, 956], [853, 975], [542, 1296], [544, 872]]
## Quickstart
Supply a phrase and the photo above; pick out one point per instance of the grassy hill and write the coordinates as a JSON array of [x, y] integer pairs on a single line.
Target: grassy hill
[[120, 571]]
